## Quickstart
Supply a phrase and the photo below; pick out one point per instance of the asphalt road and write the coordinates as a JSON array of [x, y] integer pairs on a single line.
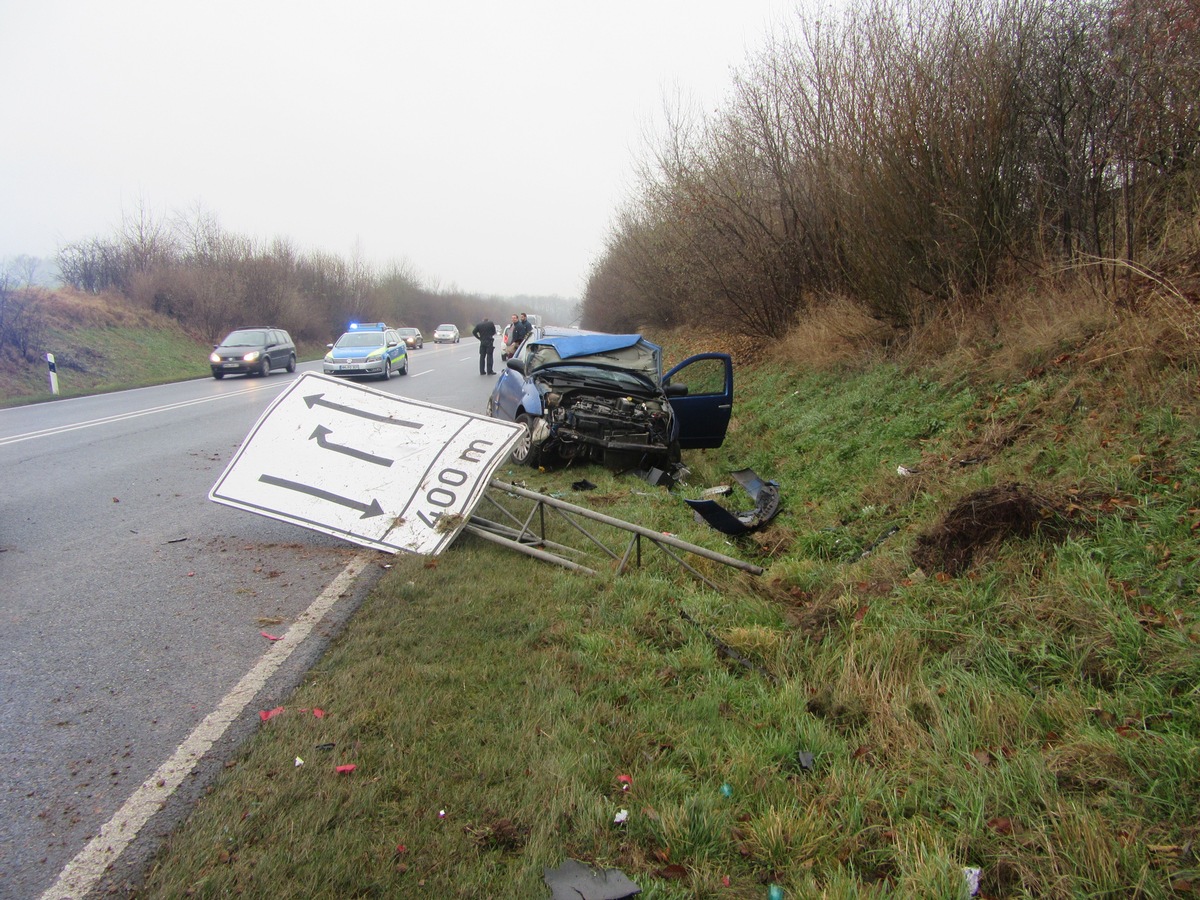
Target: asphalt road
[[131, 605]]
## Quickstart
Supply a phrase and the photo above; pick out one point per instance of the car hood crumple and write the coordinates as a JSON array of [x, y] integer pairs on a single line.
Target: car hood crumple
[[629, 352]]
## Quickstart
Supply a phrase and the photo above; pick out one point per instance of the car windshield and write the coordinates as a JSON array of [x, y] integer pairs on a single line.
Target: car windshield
[[247, 338], [445, 328], [360, 339], [409, 332]]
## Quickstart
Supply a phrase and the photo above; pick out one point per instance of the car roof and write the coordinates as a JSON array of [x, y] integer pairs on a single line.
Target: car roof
[[586, 344]]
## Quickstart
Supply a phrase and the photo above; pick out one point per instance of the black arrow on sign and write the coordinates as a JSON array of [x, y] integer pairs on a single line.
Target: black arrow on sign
[[322, 432], [368, 511], [319, 400]]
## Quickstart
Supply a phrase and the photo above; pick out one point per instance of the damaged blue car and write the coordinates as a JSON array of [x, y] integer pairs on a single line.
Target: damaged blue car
[[604, 398]]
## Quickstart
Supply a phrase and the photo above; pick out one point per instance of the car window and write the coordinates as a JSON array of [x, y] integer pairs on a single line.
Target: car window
[[704, 376], [360, 339], [246, 337], [393, 338]]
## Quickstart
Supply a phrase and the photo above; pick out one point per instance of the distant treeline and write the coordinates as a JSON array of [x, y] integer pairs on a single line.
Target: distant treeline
[[910, 156], [189, 268]]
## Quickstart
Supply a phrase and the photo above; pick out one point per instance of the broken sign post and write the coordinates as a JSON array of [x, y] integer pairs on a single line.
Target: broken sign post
[[368, 466]]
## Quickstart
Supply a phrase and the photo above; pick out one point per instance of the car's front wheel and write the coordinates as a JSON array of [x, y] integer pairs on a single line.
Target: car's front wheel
[[218, 375], [404, 368], [386, 374], [291, 366], [526, 452], [264, 367]]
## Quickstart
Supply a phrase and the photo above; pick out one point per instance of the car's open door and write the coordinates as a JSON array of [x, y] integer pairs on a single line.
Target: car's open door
[[701, 393]]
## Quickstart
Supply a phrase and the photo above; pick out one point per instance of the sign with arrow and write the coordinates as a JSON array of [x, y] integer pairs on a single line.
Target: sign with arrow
[[373, 468]]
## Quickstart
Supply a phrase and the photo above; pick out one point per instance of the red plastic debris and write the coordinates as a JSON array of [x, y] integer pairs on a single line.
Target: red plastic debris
[[269, 637], [266, 714], [318, 712], [625, 781], [346, 769]]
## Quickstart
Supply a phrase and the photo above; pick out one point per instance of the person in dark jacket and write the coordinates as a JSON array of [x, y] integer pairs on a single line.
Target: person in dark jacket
[[520, 331], [486, 332]]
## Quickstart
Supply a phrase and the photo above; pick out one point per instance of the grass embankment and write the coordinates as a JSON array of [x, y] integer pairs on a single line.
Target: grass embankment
[[990, 663], [100, 344]]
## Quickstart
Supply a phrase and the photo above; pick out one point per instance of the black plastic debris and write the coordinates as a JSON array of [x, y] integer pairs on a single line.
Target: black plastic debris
[[574, 880], [766, 498], [667, 478], [582, 485]]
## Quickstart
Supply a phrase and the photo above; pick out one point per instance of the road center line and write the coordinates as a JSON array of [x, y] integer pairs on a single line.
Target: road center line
[[83, 872]]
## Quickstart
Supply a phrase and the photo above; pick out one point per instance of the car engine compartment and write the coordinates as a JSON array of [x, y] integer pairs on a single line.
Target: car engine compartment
[[586, 424]]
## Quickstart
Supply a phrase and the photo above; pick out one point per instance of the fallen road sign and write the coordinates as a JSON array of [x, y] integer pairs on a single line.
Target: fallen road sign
[[383, 471]]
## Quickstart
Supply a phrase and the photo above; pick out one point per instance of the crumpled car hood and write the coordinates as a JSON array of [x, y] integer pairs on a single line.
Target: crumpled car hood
[[631, 352]]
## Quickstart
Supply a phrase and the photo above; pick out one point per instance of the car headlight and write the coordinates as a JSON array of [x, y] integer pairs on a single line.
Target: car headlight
[[213, 358], [252, 356], [329, 357]]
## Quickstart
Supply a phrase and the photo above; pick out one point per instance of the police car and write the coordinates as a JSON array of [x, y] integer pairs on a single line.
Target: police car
[[368, 349]]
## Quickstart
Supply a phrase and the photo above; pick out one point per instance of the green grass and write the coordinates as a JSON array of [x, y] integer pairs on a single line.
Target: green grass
[[95, 359], [1034, 716]]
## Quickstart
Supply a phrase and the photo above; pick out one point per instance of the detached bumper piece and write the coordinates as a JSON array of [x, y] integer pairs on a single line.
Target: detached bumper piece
[[766, 499]]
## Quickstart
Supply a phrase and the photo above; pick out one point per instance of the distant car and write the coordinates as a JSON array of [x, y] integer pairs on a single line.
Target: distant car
[[412, 338], [368, 349], [447, 334], [253, 351], [603, 397]]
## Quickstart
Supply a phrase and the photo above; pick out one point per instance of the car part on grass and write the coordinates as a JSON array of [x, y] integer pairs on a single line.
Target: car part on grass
[[575, 880], [517, 534], [723, 649], [766, 498]]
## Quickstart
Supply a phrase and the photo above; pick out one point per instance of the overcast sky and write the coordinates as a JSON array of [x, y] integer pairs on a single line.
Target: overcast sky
[[484, 143]]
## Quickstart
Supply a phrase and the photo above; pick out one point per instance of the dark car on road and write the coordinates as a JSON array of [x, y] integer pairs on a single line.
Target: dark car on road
[[253, 351], [413, 338], [604, 397]]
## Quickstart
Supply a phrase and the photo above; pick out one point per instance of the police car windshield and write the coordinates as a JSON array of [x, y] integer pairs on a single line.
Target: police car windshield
[[360, 339]]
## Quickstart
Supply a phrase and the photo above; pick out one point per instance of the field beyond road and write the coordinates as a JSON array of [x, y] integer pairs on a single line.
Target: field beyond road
[[974, 648]]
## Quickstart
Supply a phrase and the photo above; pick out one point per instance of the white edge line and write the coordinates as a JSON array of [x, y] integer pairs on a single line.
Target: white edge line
[[82, 873]]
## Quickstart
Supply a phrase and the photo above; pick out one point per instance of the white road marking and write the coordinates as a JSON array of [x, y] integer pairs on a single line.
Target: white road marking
[[63, 429], [82, 873]]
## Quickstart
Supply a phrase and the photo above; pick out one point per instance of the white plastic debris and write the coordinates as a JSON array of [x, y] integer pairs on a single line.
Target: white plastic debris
[[905, 471], [972, 876], [621, 817], [299, 762]]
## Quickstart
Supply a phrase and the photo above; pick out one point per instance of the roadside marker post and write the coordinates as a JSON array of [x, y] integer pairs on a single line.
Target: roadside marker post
[[53, 373]]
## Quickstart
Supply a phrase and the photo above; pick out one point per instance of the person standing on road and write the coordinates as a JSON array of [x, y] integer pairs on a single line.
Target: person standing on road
[[486, 332], [506, 342], [520, 330]]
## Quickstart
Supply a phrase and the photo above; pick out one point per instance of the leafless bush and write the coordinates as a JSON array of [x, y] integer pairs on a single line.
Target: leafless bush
[[912, 157]]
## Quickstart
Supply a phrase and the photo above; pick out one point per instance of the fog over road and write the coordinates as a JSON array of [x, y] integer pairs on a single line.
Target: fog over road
[[131, 605]]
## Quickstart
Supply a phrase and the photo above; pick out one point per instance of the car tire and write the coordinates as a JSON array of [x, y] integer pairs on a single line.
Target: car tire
[[386, 374], [291, 366], [490, 409], [404, 368], [264, 367], [218, 375], [525, 453]]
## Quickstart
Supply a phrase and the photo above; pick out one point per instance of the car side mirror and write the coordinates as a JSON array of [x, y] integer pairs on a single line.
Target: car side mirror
[[676, 390], [329, 346], [517, 365], [393, 344]]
